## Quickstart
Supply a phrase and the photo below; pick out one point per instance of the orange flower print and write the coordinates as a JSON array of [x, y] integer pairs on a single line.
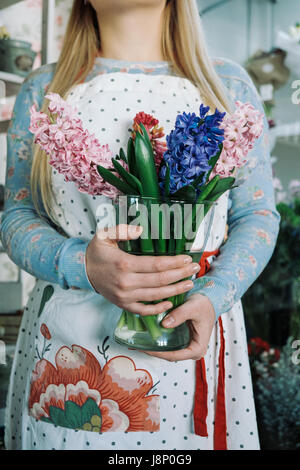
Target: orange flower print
[[22, 194], [241, 274], [264, 236], [10, 171], [263, 212], [258, 194], [76, 393], [45, 331], [35, 238], [32, 226], [80, 257], [253, 261], [209, 284]]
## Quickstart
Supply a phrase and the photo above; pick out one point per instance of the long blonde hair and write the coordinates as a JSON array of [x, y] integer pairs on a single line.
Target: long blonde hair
[[183, 45]]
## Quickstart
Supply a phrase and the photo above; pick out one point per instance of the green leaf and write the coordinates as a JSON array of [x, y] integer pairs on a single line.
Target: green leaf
[[221, 187], [73, 414], [186, 193], [131, 157], [57, 416], [198, 181], [122, 155], [47, 294], [207, 189], [88, 410], [167, 180], [128, 178], [213, 160], [145, 165], [112, 179], [145, 137]]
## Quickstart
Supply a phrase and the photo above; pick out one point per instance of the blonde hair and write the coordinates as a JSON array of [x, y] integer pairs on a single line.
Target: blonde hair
[[182, 44]]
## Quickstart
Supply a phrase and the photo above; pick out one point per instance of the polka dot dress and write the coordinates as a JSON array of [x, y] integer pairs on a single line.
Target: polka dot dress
[[72, 386]]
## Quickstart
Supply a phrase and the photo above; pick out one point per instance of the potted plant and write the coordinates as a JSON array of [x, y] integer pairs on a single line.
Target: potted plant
[[276, 383], [16, 56]]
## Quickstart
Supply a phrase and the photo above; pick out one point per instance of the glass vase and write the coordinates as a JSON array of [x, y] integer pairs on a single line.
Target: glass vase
[[170, 228]]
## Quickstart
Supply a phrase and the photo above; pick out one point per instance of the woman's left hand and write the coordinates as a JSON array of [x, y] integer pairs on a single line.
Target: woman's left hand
[[201, 315]]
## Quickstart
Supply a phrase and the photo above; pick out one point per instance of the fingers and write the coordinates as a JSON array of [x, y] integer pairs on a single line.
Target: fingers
[[160, 279], [155, 264], [142, 309], [147, 295], [202, 320], [194, 351], [180, 315], [119, 232]]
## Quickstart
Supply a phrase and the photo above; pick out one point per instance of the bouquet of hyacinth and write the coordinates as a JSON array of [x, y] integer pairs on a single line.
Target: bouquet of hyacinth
[[176, 180]]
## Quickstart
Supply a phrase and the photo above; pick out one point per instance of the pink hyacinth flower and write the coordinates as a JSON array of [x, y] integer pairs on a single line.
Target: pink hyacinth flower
[[240, 132], [73, 151]]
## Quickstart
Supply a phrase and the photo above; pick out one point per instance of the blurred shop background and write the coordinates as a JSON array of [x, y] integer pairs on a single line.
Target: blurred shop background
[[264, 37]]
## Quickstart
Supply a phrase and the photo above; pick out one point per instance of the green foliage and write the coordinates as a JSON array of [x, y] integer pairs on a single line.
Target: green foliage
[[277, 395]]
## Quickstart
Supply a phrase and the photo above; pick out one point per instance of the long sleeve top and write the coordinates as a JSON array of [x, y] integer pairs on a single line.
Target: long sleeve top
[[36, 245]]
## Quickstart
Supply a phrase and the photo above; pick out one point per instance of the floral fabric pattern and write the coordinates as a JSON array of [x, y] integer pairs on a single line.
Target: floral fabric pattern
[[77, 393]]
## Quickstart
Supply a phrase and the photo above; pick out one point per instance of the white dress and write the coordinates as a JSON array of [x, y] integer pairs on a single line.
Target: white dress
[[72, 386]]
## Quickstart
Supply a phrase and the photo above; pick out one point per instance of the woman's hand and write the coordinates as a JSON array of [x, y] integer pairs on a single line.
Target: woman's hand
[[127, 280], [201, 315]]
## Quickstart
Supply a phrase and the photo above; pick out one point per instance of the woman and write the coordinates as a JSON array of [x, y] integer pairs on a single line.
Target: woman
[[72, 386]]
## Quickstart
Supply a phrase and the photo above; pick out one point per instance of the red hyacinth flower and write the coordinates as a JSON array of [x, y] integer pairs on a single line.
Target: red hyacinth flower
[[155, 133]]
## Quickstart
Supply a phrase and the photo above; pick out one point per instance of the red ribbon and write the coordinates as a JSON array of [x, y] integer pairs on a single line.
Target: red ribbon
[[201, 388], [220, 431]]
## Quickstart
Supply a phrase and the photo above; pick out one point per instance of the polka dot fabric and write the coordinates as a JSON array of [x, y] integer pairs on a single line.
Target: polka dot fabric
[[70, 378]]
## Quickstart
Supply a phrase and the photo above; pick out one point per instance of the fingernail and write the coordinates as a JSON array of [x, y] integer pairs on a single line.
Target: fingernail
[[169, 320], [196, 268], [189, 285], [187, 260]]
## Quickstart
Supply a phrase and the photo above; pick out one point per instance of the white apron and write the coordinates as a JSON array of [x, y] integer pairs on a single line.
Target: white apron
[[72, 386]]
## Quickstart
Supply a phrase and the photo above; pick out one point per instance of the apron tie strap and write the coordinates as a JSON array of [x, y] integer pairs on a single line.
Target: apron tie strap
[[220, 431], [201, 390]]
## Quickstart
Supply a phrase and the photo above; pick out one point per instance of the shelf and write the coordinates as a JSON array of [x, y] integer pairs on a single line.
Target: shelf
[[11, 77], [286, 130], [224, 2], [295, 143], [8, 3], [48, 20], [213, 6]]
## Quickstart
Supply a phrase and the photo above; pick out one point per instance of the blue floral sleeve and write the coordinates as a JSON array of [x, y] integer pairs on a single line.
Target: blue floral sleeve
[[253, 220], [32, 242]]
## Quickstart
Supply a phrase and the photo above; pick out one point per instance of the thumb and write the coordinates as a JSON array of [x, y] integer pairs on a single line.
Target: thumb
[[120, 232]]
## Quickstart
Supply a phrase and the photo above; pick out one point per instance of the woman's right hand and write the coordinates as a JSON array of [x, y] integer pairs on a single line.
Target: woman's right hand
[[127, 280]]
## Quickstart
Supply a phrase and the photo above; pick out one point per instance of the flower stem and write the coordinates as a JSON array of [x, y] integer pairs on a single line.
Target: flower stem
[[152, 326], [122, 320], [130, 320], [138, 323]]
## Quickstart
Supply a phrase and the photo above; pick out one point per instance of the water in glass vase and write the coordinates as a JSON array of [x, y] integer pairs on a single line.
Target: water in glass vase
[[170, 228], [147, 333]]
